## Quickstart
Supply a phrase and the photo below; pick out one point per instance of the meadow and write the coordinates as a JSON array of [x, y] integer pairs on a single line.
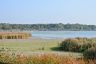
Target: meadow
[[46, 51], [34, 45]]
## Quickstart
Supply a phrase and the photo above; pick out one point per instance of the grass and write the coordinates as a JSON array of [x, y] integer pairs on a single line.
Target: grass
[[6, 58], [45, 46], [29, 46]]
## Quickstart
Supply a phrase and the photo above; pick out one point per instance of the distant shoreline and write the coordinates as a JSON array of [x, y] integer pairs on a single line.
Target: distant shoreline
[[47, 27]]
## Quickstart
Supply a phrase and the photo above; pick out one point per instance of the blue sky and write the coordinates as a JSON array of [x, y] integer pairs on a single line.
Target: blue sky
[[48, 11]]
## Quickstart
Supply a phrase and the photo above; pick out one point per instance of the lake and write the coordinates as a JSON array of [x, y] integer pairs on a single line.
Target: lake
[[63, 34]]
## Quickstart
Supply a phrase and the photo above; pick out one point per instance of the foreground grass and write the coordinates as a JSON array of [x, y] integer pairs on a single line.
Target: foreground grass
[[34, 46], [6, 58]]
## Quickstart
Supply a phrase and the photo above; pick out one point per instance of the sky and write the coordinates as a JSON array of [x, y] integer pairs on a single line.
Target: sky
[[48, 11]]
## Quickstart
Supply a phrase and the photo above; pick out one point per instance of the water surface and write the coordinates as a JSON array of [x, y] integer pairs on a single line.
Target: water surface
[[63, 34]]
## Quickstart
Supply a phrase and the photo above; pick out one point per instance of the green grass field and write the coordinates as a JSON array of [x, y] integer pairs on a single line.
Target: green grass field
[[33, 45], [29, 45]]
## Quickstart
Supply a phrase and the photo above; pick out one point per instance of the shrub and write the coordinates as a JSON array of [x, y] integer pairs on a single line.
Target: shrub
[[77, 44], [82, 40], [70, 45], [90, 53], [86, 46]]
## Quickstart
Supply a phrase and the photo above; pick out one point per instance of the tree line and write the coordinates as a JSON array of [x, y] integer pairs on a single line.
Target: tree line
[[48, 27]]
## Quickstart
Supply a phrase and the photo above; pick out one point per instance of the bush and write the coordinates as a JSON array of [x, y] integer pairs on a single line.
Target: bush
[[77, 44], [86, 46], [90, 53], [70, 45]]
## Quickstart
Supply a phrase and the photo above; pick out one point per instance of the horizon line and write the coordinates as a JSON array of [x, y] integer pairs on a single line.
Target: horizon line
[[46, 23]]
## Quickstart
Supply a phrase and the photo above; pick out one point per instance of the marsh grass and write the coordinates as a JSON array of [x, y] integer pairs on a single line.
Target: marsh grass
[[29, 45]]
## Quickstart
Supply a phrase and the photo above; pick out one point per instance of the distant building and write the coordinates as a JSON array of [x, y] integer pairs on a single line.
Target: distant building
[[15, 35]]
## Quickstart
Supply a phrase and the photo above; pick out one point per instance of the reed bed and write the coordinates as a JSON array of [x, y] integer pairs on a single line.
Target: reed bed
[[6, 58]]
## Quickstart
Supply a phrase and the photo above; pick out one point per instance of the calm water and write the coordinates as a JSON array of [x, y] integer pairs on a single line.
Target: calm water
[[63, 34]]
